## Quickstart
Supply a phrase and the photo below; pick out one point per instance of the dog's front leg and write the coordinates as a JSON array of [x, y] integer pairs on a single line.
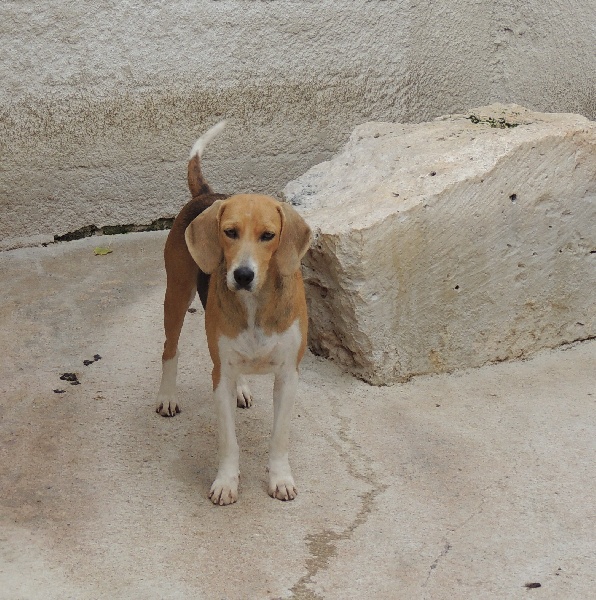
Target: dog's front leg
[[225, 487], [281, 482]]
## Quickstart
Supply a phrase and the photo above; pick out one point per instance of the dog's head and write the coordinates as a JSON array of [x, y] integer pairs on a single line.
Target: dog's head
[[248, 231]]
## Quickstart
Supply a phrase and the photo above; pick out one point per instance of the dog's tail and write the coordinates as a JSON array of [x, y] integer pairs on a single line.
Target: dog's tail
[[196, 182], [201, 143]]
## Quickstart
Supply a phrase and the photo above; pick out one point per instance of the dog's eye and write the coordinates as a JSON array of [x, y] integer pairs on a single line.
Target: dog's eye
[[267, 236], [231, 233]]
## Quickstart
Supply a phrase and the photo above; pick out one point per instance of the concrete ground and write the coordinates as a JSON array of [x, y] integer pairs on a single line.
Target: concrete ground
[[468, 485]]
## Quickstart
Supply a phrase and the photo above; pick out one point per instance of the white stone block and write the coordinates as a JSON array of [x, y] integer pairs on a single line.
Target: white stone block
[[451, 244]]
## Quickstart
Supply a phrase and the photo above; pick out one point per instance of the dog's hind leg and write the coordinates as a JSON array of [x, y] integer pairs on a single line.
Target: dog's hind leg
[[181, 288], [243, 395]]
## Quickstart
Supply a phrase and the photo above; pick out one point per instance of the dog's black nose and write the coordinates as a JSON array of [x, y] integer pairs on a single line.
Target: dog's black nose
[[244, 277]]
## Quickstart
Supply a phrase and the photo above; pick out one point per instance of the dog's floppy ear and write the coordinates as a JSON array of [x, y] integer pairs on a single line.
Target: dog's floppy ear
[[293, 242], [202, 238]]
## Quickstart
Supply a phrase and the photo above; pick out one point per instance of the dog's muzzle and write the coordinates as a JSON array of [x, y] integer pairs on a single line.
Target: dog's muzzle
[[244, 276]]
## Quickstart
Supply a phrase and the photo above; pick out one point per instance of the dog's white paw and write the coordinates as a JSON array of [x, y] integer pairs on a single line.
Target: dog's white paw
[[243, 395], [282, 487], [167, 407], [224, 490]]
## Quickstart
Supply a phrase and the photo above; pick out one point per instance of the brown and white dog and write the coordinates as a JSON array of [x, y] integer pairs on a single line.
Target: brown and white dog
[[242, 253]]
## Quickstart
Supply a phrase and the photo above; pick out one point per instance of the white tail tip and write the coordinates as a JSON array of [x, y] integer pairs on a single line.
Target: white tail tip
[[201, 143]]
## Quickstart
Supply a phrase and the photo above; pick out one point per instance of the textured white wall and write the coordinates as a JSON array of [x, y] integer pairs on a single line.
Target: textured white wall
[[101, 101]]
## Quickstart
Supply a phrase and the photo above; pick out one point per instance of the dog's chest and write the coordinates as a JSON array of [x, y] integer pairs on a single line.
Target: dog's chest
[[252, 351]]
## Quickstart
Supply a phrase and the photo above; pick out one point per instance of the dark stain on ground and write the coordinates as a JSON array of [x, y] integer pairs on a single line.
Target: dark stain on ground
[[96, 357], [322, 546], [71, 378]]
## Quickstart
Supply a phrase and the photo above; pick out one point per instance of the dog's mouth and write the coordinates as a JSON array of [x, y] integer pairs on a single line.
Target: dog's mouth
[[242, 288]]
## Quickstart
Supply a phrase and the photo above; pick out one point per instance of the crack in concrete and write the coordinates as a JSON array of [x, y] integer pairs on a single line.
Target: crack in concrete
[[446, 547], [478, 510], [323, 545]]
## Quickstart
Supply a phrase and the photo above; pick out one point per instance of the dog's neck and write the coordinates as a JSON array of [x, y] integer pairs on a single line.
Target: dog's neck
[[250, 303]]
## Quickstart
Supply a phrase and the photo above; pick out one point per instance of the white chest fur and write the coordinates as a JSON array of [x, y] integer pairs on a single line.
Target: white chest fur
[[254, 352]]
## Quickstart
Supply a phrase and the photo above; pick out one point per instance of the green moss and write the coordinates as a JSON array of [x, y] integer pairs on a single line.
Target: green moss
[[494, 123], [116, 229], [160, 224], [89, 230], [78, 234]]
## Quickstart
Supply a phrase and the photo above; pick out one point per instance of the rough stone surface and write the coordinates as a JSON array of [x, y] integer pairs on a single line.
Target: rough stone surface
[[101, 102], [451, 244], [464, 486]]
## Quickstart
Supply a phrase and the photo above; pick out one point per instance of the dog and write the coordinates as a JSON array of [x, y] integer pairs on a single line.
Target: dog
[[242, 254]]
